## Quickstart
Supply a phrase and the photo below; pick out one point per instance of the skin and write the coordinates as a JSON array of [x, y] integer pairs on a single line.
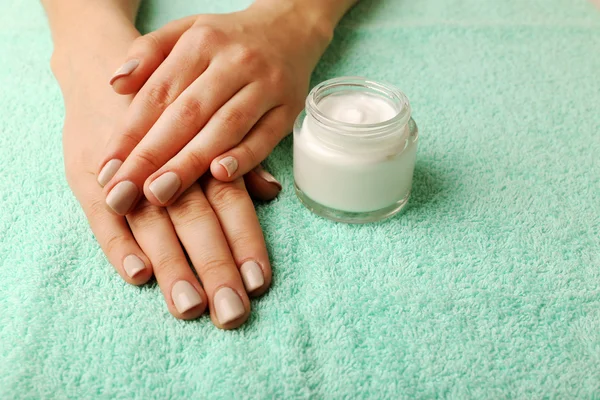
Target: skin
[[215, 221], [216, 92], [211, 217]]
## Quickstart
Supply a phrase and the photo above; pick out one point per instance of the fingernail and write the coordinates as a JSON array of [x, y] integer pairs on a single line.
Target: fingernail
[[267, 176], [165, 186], [252, 275], [124, 70], [228, 305], [230, 164], [109, 170], [122, 196], [185, 296], [132, 264]]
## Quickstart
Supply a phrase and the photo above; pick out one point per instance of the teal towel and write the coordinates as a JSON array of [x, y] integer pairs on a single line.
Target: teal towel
[[487, 286]]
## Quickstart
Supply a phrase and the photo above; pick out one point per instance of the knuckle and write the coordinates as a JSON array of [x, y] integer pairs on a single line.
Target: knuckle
[[129, 138], [149, 158], [191, 211], [276, 128], [146, 214], [148, 40], [223, 195], [165, 260], [247, 56], [96, 208], [206, 35], [213, 267], [196, 162], [188, 113], [249, 154], [277, 78], [158, 96], [240, 239], [233, 118], [113, 243]]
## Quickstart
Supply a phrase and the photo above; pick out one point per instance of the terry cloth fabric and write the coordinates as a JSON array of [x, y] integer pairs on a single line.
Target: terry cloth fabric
[[487, 286]]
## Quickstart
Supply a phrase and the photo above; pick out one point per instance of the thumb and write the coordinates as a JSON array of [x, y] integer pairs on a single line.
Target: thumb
[[146, 54]]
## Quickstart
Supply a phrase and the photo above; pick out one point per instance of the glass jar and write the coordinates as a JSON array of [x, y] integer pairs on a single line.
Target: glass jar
[[355, 146]]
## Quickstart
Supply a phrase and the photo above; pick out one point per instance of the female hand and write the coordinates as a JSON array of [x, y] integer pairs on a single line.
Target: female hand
[[215, 91], [216, 224]]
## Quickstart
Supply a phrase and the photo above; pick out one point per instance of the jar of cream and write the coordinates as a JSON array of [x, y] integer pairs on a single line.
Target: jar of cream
[[355, 145]]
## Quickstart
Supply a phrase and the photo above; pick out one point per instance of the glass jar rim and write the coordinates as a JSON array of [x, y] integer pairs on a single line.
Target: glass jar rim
[[373, 130]]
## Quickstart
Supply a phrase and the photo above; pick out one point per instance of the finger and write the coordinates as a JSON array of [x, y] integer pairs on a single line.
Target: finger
[[154, 232], [146, 54], [237, 216], [198, 229], [262, 185], [180, 122], [114, 236], [256, 146], [225, 129], [187, 61]]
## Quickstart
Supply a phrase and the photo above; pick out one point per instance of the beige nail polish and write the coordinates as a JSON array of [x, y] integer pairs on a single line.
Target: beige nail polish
[[122, 196], [267, 176], [165, 186], [132, 264], [109, 170], [185, 296], [252, 275], [230, 164], [124, 70], [228, 305]]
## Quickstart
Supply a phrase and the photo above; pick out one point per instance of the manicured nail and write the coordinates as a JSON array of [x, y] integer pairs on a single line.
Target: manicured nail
[[165, 186], [132, 264], [230, 164], [267, 176], [228, 305], [109, 170], [122, 196], [185, 296], [252, 275], [124, 70]]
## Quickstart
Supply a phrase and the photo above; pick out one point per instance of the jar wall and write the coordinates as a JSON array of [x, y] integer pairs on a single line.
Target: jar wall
[[346, 185], [362, 184]]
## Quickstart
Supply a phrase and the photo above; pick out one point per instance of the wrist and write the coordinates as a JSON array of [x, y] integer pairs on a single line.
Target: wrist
[[92, 37], [81, 25], [72, 59], [81, 63], [308, 16], [64, 14]]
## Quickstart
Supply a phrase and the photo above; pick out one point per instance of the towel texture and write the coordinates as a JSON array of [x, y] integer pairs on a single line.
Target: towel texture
[[487, 286]]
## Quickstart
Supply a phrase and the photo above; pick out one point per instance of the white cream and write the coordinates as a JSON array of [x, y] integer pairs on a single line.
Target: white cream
[[357, 108], [361, 168]]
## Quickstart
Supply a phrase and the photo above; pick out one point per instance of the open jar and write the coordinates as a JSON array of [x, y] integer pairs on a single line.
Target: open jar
[[355, 146]]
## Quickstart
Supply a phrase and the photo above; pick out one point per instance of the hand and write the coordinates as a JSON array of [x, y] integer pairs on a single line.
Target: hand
[[216, 224], [216, 91]]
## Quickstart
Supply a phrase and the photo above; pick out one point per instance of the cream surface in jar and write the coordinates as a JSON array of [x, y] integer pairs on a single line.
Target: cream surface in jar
[[354, 150]]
